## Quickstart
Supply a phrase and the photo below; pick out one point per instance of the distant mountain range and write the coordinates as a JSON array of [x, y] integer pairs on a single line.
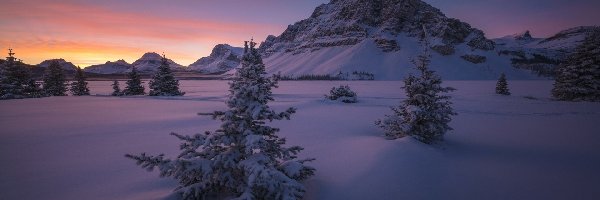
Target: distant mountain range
[[380, 38]]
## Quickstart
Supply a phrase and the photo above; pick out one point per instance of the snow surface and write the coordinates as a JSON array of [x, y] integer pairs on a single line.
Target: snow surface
[[366, 56], [523, 146]]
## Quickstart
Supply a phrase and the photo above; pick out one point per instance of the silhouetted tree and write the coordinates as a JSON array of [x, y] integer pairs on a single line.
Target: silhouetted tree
[[79, 87], [134, 84], [55, 83]]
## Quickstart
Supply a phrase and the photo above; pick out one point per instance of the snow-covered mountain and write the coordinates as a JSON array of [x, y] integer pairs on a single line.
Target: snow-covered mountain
[[542, 54], [381, 37], [117, 67], [150, 61], [68, 66], [222, 59]]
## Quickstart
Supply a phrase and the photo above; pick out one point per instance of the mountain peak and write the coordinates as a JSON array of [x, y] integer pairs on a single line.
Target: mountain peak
[[62, 62], [223, 57], [151, 55], [525, 35], [349, 22], [150, 61]]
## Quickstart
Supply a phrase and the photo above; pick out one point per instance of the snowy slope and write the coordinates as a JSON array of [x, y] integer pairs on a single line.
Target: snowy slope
[[366, 56], [222, 59], [150, 61], [502, 147], [62, 62], [542, 54], [381, 37], [117, 67], [565, 40]]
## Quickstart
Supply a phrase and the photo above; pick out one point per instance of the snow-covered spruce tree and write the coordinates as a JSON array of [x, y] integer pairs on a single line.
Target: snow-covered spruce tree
[[425, 113], [134, 84], [55, 83], [502, 85], [163, 82], [342, 93], [116, 89], [578, 79], [16, 81], [244, 158], [79, 87]]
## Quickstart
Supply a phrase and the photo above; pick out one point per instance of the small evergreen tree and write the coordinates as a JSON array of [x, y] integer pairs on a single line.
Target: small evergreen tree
[[425, 113], [55, 83], [163, 82], [342, 93], [116, 89], [502, 85], [16, 81], [79, 87], [134, 84], [244, 158], [578, 79]]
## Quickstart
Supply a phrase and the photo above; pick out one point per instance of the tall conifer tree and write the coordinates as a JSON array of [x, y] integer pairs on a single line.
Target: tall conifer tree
[[163, 82], [244, 158], [134, 84], [55, 83], [16, 80], [578, 79], [79, 86]]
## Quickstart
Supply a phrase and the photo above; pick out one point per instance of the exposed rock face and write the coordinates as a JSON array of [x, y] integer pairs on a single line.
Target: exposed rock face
[[222, 59], [68, 66], [117, 67], [348, 22], [476, 59]]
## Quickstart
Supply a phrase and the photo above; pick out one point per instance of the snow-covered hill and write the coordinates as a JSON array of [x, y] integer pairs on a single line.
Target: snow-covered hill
[[381, 37], [542, 54], [68, 66], [150, 61], [222, 58], [117, 67]]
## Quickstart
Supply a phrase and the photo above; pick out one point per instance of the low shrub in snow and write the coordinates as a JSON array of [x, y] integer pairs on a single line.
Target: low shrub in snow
[[343, 94], [502, 85]]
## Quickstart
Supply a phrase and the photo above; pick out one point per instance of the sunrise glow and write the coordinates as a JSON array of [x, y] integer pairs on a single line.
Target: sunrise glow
[[92, 32]]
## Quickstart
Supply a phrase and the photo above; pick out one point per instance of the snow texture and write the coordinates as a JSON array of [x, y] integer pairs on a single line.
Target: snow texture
[[502, 147]]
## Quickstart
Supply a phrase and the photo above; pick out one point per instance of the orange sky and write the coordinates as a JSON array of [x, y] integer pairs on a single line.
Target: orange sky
[[88, 32]]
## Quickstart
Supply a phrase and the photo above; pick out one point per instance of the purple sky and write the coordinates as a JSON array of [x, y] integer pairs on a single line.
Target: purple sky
[[89, 32], [543, 18]]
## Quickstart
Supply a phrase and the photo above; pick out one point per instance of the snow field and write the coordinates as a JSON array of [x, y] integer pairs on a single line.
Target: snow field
[[502, 147]]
